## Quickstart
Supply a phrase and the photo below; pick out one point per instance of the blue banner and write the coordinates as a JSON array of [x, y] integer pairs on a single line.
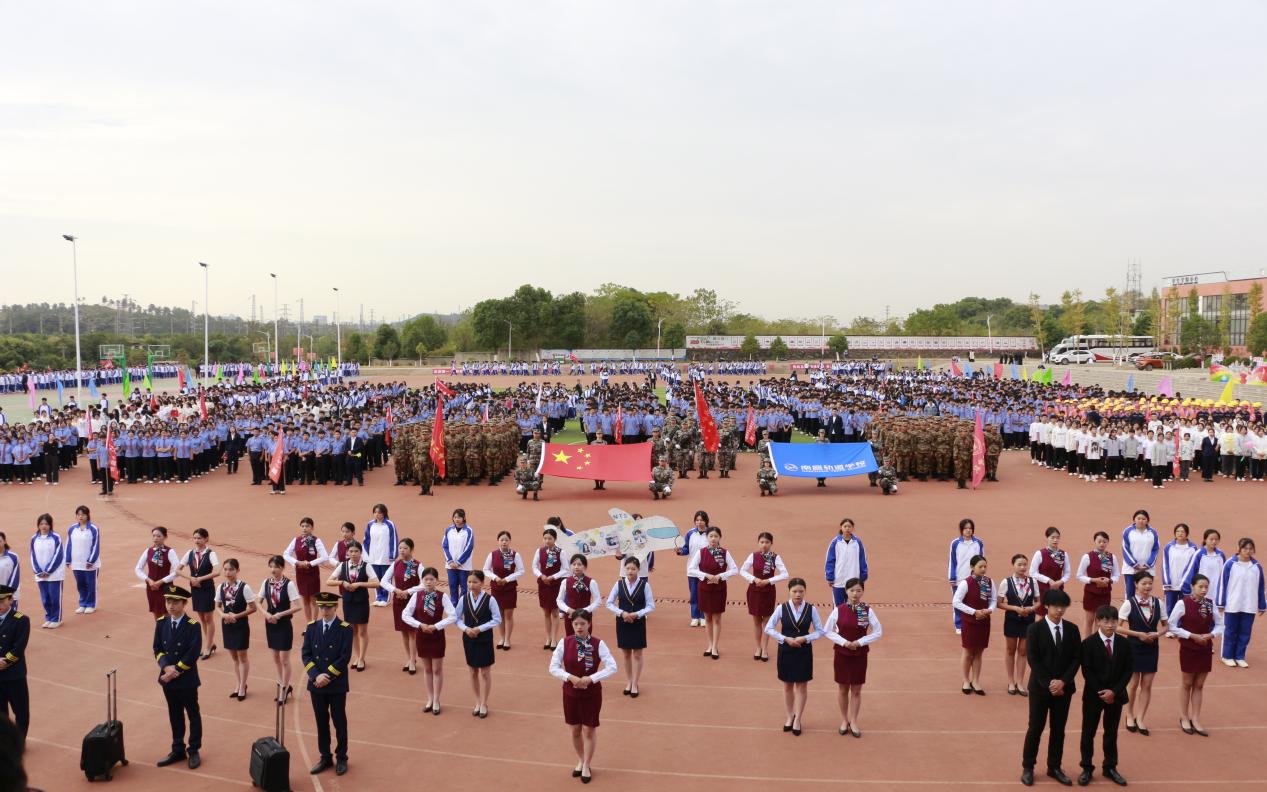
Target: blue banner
[[822, 460]]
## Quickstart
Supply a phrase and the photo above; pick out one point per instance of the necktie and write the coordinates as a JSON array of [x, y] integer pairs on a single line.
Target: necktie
[[1057, 635], [1108, 645], [325, 627]]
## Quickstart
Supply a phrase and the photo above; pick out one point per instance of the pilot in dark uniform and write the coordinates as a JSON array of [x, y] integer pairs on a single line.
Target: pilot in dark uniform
[[326, 654], [15, 630], [177, 644]]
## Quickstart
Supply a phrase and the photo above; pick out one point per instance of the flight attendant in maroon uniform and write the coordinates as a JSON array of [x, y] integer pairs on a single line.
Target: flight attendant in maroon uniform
[[1097, 571], [976, 598], [428, 612], [339, 553], [577, 592], [1196, 622], [582, 662], [503, 567], [547, 568], [306, 554], [853, 626], [711, 565], [1050, 567], [763, 569], [157, 566], [400, 582]]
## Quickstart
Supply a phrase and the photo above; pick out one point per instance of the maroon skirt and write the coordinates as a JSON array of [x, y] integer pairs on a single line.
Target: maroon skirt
[[430, 644], [761, 600], [154, 599], [1095, 596], [974, 633], [850, 668], [307, 581], [547, 593], [581, 707], [398, 607], [1194, 658], [712, 597], [507, 595]]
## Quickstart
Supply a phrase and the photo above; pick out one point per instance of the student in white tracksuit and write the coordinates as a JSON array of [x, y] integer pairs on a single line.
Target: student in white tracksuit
[[962, 549], [1140, 547], [380, 547], [1175, 558], [846, 559], [47, 562], [458, 545], [1242, 596], [1208, 561], [83, 558], [10, 568]]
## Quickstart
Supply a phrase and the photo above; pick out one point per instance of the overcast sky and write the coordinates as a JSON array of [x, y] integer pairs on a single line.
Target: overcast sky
[[801, 158]]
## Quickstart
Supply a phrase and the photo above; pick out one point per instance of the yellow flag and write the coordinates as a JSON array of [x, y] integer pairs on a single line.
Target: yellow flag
[[1024, 374], [1226, 396], [919, 362]]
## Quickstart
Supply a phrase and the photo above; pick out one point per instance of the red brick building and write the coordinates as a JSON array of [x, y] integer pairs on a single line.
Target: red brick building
[[1211, 292]]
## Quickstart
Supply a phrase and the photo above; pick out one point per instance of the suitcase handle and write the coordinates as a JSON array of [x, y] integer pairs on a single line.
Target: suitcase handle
[[281, 715], [112, 694]]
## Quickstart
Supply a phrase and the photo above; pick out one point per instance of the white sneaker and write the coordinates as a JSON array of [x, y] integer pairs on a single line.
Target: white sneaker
[[1229, 663], [79, 610], [54, 625], [958, 631], [45, 625], [692, 622], [1242, 664], [90, 610]]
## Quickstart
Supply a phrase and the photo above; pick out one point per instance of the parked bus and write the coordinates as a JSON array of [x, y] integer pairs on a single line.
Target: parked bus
[[1099, 348]]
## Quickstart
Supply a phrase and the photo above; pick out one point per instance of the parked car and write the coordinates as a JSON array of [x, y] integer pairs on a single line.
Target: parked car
[[1072, 356], [1154, 360]]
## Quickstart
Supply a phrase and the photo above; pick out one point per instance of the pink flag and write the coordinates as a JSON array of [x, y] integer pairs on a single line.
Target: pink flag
[[955, 371], [1174, 465], [30, 389], [241, 374], [1166, 387], [978, 452], [998, 371], [1067, 380]]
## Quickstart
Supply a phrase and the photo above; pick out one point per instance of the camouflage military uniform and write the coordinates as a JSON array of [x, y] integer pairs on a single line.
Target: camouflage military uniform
[[705, 460], [659, 447], [962, 452], [526, 479], [534, 449], [943, 444], [728, 448], [473, 455], [767, 480], [423, 464], [455, 454], [886, 478], [683, 445], [404, 439], [661, 485], [993, 447]]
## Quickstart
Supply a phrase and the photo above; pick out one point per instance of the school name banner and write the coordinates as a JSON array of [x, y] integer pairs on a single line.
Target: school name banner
[[625, 536], [822, 460]]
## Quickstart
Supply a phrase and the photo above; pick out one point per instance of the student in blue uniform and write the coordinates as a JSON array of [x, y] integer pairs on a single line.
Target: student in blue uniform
[[177, 644], [458, 546], [326, 653], [83, 558], [47, 562], [15, 631]]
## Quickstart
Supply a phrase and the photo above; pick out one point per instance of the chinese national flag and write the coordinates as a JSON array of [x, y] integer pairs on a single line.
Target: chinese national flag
[[572, 356], [628, 462], [707, 427], [437, 438], [279, 457], [387, 435], [1175, 464], [113, 457], [978, 452], [750, 430]]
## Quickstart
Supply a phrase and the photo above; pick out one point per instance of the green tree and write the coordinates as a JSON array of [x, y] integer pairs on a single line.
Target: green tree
[[1194, 303], [565, 322], [1073, 312], [488, 323], [631, 325], [674, 336], [1173, 312], [1255, 298], [1143, 324], [354, 348], [839, 343], [422, 334], [750, 348], [1255, 339], [778, 348], [386, 342]]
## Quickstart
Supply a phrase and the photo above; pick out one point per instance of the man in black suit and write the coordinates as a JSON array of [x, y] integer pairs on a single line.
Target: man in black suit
[[327, 651], [1052, 645], [177, 645], [355, 458], [835, 426], [1106, 671]]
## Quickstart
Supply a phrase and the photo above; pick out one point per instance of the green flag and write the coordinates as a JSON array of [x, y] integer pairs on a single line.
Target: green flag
[[219, 373], [127, 382], [1048, 373]]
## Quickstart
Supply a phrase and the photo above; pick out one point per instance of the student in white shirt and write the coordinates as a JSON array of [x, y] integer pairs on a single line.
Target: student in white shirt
[[1196, 622], [429, 612], [477, 619], [1142, 621], [975, 596], [1097, 572], [503, 567], [279, 600], [712, 565], [795, 626], [762, 569], [1175, 558], [83, 558], [631, 601], [582, 662], [1242, 596], [853, 626]]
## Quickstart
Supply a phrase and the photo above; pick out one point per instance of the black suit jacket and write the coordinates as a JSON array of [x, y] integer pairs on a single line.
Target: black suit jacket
[[357, 447], [329, 654], [179, 647], [1101, 672], [1048, 661], [15, 631]]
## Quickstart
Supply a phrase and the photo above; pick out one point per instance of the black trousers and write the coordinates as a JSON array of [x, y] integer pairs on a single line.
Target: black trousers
[[257, 466], [1092, 710], [1044, 707], [179, 704], [354, 470], [15, 698], [329, 707]]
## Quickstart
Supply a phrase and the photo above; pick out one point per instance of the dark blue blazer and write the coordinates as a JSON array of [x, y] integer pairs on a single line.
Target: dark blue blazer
[[328, 654], [179, 646]]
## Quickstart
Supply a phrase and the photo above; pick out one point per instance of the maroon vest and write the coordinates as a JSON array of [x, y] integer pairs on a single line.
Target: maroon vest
[[979, 593], [405, 575], [708, 564], [580, 659], [1099, 567], [577, 600], [851, 628], [430, 615], [500, 567], [1196, 621], [547, 567], [1048, 566], [761, 568], [158, 569], [341, 551], [302, 551]]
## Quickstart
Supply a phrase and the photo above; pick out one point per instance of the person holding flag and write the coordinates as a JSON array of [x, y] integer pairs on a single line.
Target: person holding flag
[[709, 438], [276, 460]]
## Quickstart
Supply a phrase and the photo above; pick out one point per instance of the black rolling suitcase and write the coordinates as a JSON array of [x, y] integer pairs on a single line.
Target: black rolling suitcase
[[270, 761], [103, 746]]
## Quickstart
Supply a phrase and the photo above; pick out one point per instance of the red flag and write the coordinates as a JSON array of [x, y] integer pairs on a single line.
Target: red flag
[[955, 371], [750, 431], [620, 423], [437, 438], [707, 427], [485, 412], [998, 371], [572, 356], [444, 389], [279, 457], [978, 452], [606, 462], [305, 391], [387, 435], [202, 404], [1174, 465], [111, 455], [180, 375]]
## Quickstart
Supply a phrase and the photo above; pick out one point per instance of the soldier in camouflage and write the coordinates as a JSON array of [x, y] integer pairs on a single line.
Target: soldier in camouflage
[[526, 479], [473, 455], [767, 479], [661, 485], [993, 447], [886, 477], [423, 464], [728, 447], [683, 446]]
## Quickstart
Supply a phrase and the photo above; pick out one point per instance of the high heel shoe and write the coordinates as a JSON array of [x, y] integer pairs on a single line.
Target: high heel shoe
[[787, 727], [436, 710], [241, 696], [796, 731], [855, 731], [427, 708], [978, 690], [1186, 729], [967, 689], [633, 694], [1132, 728]]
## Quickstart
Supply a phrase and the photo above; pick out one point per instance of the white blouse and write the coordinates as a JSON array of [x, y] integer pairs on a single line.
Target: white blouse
[[142, 567], [693, 570], [513, 576], [745, 571], [450, 615], [961, 591], [774, 626], [613, 599], [874, 631], [606, 668]]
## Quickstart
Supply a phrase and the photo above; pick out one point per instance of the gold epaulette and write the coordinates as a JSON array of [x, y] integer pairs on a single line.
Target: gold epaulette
[[343, 624]]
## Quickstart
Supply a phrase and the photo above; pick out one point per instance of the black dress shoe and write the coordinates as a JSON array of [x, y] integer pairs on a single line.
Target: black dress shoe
[[1027, 777], [1059, 775], [340, 767], [321, 767], [1084, 778], [194, 760], [1113, 775], [1132, 728], [633, 694], [1143, 732], [576, 773], [787, 727], [172, 758]]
